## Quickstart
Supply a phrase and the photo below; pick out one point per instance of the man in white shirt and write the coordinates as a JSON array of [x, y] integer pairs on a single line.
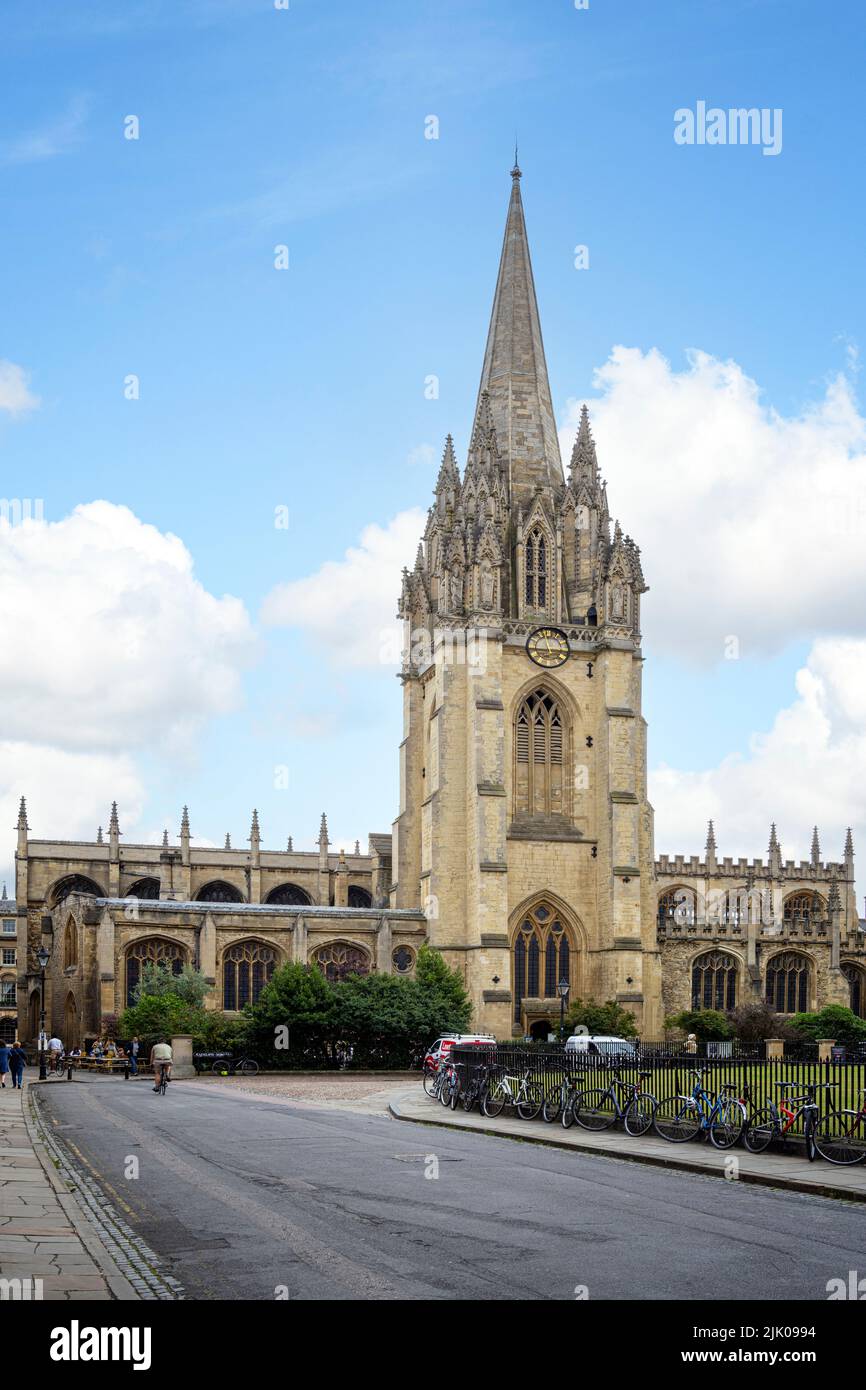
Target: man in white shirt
[[160, 1056]]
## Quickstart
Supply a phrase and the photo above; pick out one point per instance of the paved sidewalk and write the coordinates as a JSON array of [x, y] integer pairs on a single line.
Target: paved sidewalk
[[770, 1169], [44, 1235]]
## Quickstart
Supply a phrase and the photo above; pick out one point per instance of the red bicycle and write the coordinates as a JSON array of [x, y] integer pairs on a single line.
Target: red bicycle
[[776, 1121]]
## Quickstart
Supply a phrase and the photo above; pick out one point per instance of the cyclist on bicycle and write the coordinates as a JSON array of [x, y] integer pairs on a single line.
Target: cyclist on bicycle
[[160, 1059], [55, 1053]]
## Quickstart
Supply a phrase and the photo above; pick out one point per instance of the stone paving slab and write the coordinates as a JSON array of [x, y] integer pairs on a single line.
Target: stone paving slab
[[43, 1232], [770, 1169]]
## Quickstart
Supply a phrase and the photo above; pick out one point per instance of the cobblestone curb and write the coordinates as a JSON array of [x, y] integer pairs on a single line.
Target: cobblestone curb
[[137, 1264]]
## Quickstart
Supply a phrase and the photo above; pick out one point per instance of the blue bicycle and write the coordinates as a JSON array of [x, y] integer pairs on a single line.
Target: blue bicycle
[[720, 1118]]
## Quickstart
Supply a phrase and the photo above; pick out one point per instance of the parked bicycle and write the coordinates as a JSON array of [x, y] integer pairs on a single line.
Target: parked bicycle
[[599, 1109], [776, 1120], [721, 1118], [230, 1066], [559, 1099], [841, 1134], [525, 1093], [474, 1089]]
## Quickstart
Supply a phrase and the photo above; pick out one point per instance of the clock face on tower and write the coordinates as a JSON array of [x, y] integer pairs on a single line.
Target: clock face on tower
[[547, 646]]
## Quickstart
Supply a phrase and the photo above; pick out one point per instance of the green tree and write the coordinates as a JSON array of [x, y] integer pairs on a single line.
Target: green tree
[[444, 990], [708, 1025], [299, 999], [162, 1015], [158, 978], [833, 1021], [609, 1019]]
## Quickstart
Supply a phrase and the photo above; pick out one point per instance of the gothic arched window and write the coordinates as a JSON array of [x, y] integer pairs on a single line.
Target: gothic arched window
[[247, 967], [540, 757], [288, 895], [145, 889], [359, 897], [340, 958], [788, 983], [856, 977], [70, 946], [536, 567], [75, 883], [714, 982], [151, 951], [802, 909], [541, 944], [677, 907], [219, 892]]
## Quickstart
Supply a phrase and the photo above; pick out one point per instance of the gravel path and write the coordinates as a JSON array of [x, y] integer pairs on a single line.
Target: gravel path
[[366, 1094]]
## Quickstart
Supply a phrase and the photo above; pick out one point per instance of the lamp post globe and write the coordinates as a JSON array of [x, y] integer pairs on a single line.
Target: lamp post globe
[[562, 991]]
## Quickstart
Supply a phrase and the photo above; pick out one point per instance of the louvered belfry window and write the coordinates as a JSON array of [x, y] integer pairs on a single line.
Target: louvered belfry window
[[535, 564], [540, 739]]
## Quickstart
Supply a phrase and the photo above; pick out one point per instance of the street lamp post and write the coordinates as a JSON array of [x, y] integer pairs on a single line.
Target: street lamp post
[[43, 956], [562, 991]]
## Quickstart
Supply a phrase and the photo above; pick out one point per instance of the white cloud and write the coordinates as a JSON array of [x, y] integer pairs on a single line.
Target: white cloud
[[54, 137], [349, 604], [810, 767], [752, 524], [15, 394], [422, 456], [115, 644]]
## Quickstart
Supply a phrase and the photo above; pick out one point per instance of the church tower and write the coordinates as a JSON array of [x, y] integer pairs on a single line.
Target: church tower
[[524, 830]]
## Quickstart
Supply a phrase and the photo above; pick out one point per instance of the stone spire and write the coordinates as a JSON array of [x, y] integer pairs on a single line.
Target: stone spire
[[165, 839], [583, 466], [710, 849], [113, 833], [289, 846], [228, 843], [255, 837], [99, 839], [323, 835], [514, 373], [849, 851], [816, 849], [774, 853], [357, 846]]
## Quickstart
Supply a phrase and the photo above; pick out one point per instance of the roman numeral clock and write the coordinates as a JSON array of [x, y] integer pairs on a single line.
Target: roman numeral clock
[[547, 647]]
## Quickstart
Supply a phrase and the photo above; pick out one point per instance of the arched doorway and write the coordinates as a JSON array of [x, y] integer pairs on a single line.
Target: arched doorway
[[33, 1009], [541, 1029]]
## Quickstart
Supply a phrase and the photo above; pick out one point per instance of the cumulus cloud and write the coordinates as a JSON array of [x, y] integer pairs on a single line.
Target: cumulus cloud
[[115, 644], [349, 605], [15, 394], [808, 768], [752, 523]]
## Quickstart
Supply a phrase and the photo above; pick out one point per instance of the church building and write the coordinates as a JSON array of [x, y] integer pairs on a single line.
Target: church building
[[523, 847]]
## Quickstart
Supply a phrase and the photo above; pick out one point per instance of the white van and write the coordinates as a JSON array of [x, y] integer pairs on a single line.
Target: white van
[[600, 1045]]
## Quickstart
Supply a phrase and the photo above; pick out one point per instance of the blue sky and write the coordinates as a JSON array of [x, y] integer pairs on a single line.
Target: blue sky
[[259, 387]]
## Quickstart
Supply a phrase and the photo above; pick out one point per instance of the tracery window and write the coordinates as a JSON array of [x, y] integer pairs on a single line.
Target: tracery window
[[541, 954], [339, 959], [714, 981], [151, 951], [540, 749], [247, 967], [403, 959], [288, 895], [75, 883], [146, 889], [788, 983], [677, 907], [803, 909], [359, 897], [536, 569], [219, 892], [856, 977]]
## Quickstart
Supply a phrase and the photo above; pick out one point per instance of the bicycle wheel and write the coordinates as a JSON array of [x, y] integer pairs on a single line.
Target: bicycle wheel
[[493, 1103], [248, 1067], [759, 1132], [532, 1102], [445, 1091], [595, 1110], [567, 1115], [429, 1082], [552, 1107], [469, 1097], [727, 1124], [677, 1119], [848, 1145], [162, 1082], [639, 1114], [220, 1067]]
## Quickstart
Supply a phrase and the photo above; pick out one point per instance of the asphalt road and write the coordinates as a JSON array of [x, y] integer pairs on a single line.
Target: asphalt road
[[243, 1197]]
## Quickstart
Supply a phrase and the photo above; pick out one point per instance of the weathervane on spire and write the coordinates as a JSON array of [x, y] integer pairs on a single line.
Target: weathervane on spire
[[515, 172]]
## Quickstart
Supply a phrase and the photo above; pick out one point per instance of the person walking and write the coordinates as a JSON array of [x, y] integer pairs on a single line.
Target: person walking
[[17, 1063], [133, 1055], [4, 1063]]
